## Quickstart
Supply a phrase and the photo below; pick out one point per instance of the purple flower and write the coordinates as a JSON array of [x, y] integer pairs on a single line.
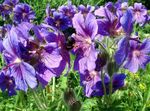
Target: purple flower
[[121, 8], [122, 51], [59, 51], [7, 7], [23, 73], [123, 45], [138, 55], [23, 31], [11, 2], [59, 20], [86, 9], [1, 46], [88, 80], [7, 84], [23, 12], [68, 10], [86, 31], [117, 83], [139, 13], [52, 55], [127, 22], [54, 61], [108, 22], [92, 83]]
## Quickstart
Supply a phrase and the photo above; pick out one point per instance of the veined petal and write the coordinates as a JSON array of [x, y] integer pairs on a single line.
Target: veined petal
[[51, 60], [122, 51], [24, 75], [91, 25], [132, 64], [78, 24]]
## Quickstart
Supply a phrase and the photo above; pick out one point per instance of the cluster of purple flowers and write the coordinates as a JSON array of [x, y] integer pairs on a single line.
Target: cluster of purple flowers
[[34, 54]]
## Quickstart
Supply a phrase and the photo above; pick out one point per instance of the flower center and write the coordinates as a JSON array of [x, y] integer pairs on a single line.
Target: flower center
[[138, 13], [58, 23], [24, 15], [93, 74], [136, 53], [17, 60], [88, 41], [7, 7]]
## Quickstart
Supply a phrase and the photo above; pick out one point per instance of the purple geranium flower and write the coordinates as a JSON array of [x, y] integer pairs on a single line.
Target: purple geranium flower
[[88, 80], [3, 32], [59, 20], [139, 13], [117, 83], [108, 22], [86, 31], [68, 10], [86, 9], [23, 12], [23, 73], [7, 84], [92, 83], [131, 53], [127, 22], [7, 7], [121, 8], [123, 45], [138, 55], [52, 55]]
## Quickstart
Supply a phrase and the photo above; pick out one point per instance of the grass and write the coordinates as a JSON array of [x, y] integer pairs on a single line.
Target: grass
[[133, 97]]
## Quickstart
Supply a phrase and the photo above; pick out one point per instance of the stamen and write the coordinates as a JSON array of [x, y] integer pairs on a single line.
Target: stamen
[[17, 60]]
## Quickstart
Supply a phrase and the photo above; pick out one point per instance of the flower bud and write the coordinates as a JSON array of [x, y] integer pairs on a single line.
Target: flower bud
[[70, 100], [101, 60]]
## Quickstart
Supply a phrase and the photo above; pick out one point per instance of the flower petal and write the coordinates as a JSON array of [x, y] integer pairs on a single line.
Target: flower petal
[[127, 22], [24, 75]]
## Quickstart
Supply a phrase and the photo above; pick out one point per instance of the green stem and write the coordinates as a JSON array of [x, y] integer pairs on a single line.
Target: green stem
[[147, 99], [53, 90], [103, 83], [79, 92], [21, 100], [102, 46], [110, 86], [38, 102]]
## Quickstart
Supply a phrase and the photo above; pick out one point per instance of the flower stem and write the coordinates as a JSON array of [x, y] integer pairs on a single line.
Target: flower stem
[[147, 99], [103, 83], [111, 86], [101, 45], [53, 90], [37, 101]]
